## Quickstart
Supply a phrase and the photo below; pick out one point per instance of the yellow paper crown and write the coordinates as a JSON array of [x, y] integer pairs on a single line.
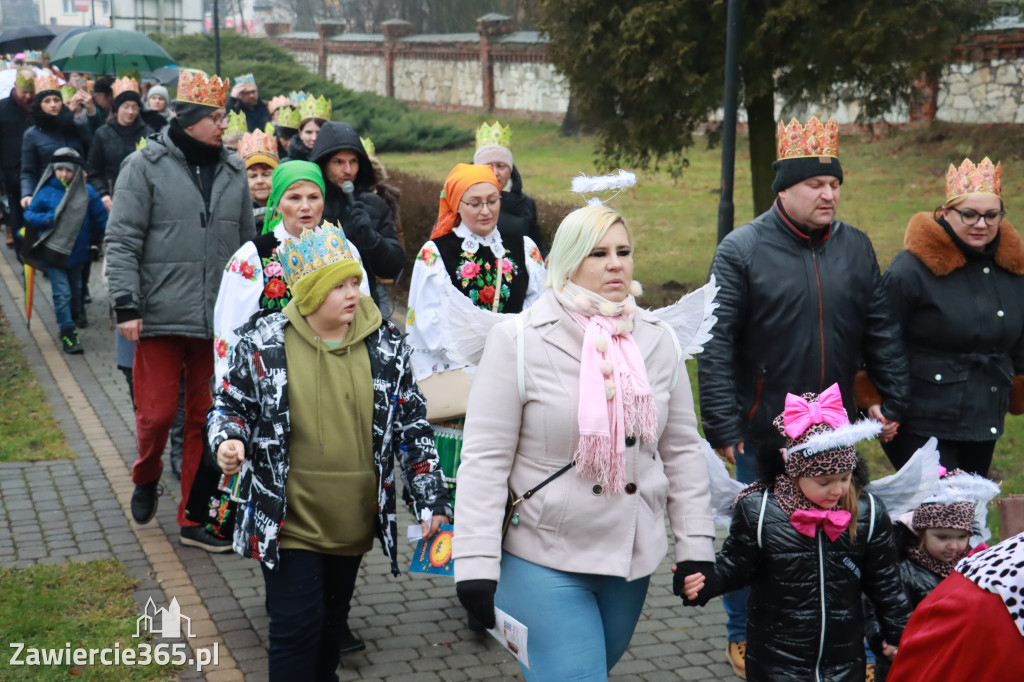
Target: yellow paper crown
[[487, 135], [315, 108], [140, 144], [25, 84], [195, 87], [984, 178], [288, 117], [312, 251], [125, 85], [814, 139], [237, 125], [258, 147], [368, 145], [46, 81], [67, 92]]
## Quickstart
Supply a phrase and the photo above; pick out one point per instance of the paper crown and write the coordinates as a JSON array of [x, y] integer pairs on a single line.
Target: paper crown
[[140, 144], [970, 179], [368, 145], [296, 97], [248, 80], [237, 125], [487, 135], [67, 92], [276, 103], [46, 81], [258, 147], [195, 87], [24, 83], [315, 108], [814, 139], [125, 85], [312, 251], [33, 56], [288, 117]]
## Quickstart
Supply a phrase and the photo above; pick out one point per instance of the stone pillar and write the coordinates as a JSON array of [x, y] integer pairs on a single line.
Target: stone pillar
[[325, 30], [490, 26], [393, 30]]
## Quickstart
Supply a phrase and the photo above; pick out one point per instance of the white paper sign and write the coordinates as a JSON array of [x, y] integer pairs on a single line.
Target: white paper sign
[[511, 634]]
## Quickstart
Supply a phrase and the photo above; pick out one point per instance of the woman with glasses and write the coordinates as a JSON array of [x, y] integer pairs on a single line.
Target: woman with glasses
[[957, 291]]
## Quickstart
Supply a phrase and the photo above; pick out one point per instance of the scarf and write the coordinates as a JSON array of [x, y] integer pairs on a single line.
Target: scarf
[[462, 177], [284, 176], [930, 563], [55, 245], [803, 514], [615, 395], [471, 241]]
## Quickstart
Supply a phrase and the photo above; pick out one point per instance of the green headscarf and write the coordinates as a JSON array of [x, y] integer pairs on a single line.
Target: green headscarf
[[286, 175]]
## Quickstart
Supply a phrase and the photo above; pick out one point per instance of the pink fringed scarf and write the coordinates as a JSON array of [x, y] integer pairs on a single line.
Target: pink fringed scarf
[[615, 395]]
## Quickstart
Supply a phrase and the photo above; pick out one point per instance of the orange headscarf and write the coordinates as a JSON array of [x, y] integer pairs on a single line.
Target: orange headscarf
[[462, 177]]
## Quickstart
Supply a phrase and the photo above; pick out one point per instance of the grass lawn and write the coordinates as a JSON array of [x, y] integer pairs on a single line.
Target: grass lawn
[[888, 177], [77, 605], [28, 430]]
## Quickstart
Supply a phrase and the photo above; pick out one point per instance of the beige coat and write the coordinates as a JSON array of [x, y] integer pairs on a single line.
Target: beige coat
[[571, 524]]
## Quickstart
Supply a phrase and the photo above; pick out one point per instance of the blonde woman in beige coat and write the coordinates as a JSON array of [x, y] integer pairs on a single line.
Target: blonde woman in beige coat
[[576, 561]]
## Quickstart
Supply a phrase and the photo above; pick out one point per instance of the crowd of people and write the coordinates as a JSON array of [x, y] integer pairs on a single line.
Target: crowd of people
[[249, 246]]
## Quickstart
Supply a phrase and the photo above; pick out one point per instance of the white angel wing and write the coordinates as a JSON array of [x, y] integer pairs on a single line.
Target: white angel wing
[[692, 318], [464, 327], [724, 488], [911, 485], [970, 488]]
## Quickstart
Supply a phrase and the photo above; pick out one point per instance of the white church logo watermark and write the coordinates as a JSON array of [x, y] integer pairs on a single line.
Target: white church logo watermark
[[166, 623]]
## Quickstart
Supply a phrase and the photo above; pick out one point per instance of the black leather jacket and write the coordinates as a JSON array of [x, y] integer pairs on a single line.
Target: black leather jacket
[[797, 313], [804, 612]]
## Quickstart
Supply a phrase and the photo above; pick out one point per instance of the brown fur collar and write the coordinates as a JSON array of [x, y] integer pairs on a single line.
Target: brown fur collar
[[926, 239]]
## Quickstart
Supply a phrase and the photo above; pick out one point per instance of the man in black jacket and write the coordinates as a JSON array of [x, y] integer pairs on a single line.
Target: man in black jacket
[[15, 119], [365, 217], [801, 307], [246, 98]]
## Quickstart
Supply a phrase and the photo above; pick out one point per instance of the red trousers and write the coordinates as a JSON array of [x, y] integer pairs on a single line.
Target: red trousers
[[159, 362]]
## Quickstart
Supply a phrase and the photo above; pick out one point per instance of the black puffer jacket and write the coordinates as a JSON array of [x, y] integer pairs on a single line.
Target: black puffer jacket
[[795, 317], [804, 612], [14, 121], [518, 217], [374, 233], [297, 150], [111, 145], [963, 322]]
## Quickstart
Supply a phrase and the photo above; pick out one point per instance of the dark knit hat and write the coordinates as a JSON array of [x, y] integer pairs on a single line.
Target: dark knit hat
[[806, 152], [189, 113], [66, 157], [789, 172], [104, 85], [127, 96]]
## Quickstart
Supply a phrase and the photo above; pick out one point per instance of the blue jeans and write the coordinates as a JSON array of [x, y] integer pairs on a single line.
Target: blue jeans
[[66, 285], [735, 603], [579, 623]]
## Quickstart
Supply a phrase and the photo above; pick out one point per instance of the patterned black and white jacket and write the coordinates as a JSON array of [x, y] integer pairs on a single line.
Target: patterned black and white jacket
[[251, 405]]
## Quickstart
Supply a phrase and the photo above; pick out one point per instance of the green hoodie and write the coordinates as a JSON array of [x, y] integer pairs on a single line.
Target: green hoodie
[[331, 492]]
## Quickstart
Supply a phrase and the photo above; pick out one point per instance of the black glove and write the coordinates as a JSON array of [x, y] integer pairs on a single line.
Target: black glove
[[358, 218], [686, 568], [95, 252], [477, 597]]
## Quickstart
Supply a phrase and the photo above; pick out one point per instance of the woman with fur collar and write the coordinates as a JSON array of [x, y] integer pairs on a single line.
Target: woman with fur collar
[[956, 290]]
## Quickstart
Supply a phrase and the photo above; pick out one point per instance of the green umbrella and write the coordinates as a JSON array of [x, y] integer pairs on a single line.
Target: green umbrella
[[109, 51]]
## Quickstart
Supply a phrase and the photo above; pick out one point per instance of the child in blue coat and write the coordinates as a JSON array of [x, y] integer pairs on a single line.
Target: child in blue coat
[[66, 221]]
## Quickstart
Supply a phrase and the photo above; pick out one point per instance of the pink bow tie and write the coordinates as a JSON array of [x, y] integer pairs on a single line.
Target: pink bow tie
[[800, 415], [806, 521]]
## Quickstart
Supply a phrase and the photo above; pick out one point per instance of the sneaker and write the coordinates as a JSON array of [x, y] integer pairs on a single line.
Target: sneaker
[[82, 322], [736, 654], [69, 341], [350, 644], [196, 536], [144, 501]]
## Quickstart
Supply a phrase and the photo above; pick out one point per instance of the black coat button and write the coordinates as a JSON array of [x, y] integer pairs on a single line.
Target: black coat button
[[630, 441], [598, 489], [631, 488]]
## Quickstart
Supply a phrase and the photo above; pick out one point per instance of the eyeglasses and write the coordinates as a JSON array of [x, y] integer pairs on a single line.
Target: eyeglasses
[[477, 205], [970, 217], [219, 119]]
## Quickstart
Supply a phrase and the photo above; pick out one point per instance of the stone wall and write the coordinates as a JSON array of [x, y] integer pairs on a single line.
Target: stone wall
[[444, 83], [983, 92], [526, 86], [359, 72]]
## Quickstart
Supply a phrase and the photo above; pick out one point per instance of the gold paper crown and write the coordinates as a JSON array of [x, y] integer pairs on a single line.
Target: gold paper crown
[[288, 117], [312, 251], [140, 144], [487, 135], [46, 81], [970, 179], [258, 147], [315, 108], [25, 84], [195, 87], [67, 92], [125, 85], [814, 139], [368, 145], [246, 80], [276, 103], [237, 125]]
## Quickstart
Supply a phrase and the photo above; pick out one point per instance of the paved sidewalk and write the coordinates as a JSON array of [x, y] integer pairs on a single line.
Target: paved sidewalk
[[413, 626]]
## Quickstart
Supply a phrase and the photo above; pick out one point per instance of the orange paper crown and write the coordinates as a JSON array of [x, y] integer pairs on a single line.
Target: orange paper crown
[[195, 87], [46, 81], [970, 179], [125, 85], [258, 147], [814, 139]]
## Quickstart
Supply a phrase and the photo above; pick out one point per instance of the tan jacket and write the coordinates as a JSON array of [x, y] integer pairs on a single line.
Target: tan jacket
[[571, 524]]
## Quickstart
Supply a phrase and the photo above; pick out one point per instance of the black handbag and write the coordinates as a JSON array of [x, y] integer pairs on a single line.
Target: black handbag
[[512, 500]]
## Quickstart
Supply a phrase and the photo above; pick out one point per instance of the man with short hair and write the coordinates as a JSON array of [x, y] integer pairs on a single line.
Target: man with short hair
[[102, 102], [181, 209], [245, 97], [365, 217], [15, 119], [801, 307]]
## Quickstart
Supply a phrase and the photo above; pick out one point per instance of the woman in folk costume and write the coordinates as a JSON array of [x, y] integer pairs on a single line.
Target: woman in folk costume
[[253, 279], [956, 291], [583, 400]]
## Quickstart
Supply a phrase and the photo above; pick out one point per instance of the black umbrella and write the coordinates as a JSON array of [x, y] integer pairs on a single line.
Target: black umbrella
[[26, 38], [66, 34]]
